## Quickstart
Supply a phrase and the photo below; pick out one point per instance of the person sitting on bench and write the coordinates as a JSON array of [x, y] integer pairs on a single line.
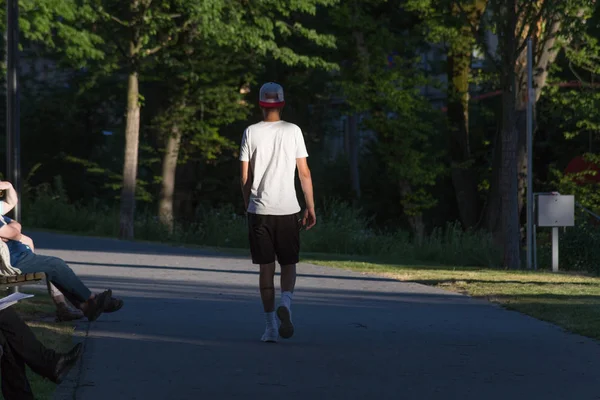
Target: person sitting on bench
[[63, 311], [20, 347], [56, 270]]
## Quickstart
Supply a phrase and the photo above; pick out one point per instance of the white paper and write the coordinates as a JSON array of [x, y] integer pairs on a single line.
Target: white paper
[[8, 301]]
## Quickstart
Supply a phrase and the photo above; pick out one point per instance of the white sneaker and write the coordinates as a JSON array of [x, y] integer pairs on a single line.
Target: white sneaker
[[270, 335], [286, 329]]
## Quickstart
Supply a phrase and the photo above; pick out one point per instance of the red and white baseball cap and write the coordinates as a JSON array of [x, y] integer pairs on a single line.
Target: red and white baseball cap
[[271, 95]]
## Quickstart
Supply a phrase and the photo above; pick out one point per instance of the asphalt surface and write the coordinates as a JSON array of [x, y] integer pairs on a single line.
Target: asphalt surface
[[192, 323]]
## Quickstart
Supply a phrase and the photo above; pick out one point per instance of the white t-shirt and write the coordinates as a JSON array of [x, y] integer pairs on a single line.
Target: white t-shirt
[[272, 149]]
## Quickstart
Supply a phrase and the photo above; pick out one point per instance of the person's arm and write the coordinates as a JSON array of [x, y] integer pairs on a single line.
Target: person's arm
[[245, 171], [26, 240], [9, 232], [246, 182], [10, 200], [310, 217], [14, 224]]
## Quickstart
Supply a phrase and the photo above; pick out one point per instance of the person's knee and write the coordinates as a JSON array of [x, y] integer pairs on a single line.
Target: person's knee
[[58, 265]]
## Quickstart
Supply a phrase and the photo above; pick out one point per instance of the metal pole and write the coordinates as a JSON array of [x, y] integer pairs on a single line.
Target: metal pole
[[535, 263], [530, 100], [535, 247], [13, 137], [555, 249]]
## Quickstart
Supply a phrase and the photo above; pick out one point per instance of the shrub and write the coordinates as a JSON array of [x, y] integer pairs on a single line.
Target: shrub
[[579, 247], [340, 229]]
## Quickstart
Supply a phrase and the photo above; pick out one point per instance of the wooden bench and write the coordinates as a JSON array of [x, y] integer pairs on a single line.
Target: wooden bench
[[21, 279]]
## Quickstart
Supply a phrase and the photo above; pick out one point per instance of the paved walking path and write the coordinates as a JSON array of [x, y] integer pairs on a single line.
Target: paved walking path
[[192, 321]]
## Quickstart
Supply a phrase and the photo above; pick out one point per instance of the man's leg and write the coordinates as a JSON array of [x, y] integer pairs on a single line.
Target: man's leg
[[21, 340], [15, 384], [267, 295], [263, 253], [267, 286], [63, 311], [20, 343], [287, 247], [63, 277], [288, 283]]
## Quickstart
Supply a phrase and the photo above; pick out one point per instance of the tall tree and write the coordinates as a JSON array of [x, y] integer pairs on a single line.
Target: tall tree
[[203, 89], [506, 12], [551, 24], [407, 130], [455, 25], [381, 84], [140, 30]]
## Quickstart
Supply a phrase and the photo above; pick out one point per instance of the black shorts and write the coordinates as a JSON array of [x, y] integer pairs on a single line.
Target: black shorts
[[274, 237]]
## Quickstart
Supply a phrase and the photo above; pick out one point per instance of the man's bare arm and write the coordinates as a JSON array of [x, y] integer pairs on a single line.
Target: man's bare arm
[[9, 232], [310, 217], [11, 199], [16, 225], [306, 182], [246, 182]]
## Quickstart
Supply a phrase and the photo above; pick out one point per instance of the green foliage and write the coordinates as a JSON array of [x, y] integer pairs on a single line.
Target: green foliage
[[586, 191], [341, 230], [194, 57], [443, 20], [407, 130], [60, 26], [402, 122], [579, 246], [202, 88], [48, 208], [577, 108]]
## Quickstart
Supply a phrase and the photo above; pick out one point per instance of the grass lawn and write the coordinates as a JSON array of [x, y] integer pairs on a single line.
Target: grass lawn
[[569, 300], [39, 313]]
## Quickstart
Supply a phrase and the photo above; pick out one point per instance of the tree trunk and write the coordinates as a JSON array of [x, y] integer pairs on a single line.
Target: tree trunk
[[544, 56], [353, 136], [543, 59], [415, 219], [508, 176], [165, 208], [353, 154], [508, 185], [521, 127], [130, 165], [491, 213], [464, 178]]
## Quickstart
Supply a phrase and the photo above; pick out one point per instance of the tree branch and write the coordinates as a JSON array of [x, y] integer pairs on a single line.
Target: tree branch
[[532, 24], [530, 6], [475, 32], [158, 48], [100, 10], [117, 20]]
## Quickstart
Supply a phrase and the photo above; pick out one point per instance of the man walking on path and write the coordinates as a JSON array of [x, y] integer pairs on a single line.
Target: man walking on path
[[270, 152]]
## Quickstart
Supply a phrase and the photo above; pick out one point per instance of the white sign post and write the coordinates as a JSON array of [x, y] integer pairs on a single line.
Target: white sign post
[[555, 210]]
